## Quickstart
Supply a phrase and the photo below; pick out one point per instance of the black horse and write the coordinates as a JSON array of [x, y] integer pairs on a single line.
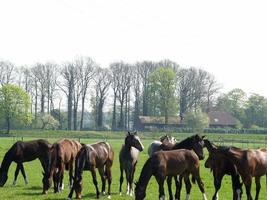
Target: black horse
[[128, 157], [21, 152], [99, 155], [220, 165]]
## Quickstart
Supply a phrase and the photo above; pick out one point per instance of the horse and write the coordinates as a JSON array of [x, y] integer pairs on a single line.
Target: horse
[[220, 165], [194, 142], [63, 154], [155, 145], [21, 152], [99, 155], [249, 163], [128, 157], [170, 163]]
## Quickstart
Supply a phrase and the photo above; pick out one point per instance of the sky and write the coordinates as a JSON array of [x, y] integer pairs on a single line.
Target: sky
[[226, 38]]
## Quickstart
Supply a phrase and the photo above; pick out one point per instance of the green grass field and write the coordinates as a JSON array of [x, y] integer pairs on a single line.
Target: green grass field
[[34, 188]]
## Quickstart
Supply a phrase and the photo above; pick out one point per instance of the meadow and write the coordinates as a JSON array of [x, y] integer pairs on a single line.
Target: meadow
[[34, 171]]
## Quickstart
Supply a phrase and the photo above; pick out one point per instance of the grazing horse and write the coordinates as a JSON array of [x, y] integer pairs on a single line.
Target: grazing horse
[[194, 142], [21, 152], [249, 163], [99, 155], [128, 157], [156, 145], [63, 154], [170, 163], [220, 165]]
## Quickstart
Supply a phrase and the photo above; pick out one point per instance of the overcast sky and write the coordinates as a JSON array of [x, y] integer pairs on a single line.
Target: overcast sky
[[227, 38]]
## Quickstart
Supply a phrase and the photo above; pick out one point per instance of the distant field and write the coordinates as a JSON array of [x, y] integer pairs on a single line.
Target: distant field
[[33, 169]]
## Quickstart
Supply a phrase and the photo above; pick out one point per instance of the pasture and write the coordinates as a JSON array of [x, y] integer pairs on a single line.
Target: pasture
[[34, 172]]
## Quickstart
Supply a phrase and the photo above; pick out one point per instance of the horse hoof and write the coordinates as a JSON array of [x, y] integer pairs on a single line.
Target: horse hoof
[[104, 193], [109, 197], [120, 193]]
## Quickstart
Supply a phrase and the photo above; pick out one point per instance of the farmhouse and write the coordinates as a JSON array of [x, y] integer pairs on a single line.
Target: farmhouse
[[218, 119]]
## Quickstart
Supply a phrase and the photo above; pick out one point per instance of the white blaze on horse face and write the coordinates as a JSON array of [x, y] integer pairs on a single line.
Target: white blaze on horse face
[[137, 137], [204, 196]]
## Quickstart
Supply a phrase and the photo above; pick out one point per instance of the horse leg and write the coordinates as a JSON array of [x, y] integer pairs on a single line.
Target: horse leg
[[121, 178], [169, 182], [236, 186], [217, 184], [16, 175], [128, 175], [160, 181], [61, 176], [24, 174], [70, 175], [247, 181], [103, 180], [95, 181], [131, 180], [258, 186], [109, 177], [188, 186], [200, 184], [178, 185]]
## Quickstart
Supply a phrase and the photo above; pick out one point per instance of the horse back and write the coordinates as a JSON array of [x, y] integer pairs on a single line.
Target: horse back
[[104, 153]]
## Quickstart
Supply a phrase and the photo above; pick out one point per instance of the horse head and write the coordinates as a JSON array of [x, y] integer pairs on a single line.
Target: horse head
[[77, 186], [197, 145], [133, 140], [46, 182], [3, 177], [140, 192]]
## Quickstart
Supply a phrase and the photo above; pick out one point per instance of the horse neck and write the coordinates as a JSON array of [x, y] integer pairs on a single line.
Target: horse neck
[[80, 161], [146, 174], [8, 158], [184, 144]]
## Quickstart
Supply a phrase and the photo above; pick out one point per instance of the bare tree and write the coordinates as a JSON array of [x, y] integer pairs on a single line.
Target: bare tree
[[102, 81], [85, 74], [136, 80], [115, 71], [67, 86], [7, 70]]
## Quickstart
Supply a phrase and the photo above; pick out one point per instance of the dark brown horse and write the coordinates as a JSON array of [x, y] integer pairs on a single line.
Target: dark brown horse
[[194, 142], [63, 154], [21, 152], [128, 157], [220, 165], [170, 163], [99, 155], [250, 163]]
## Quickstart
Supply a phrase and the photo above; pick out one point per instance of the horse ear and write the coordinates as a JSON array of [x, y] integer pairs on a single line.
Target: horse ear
[[135, 133], [203, 136], [129, 133]]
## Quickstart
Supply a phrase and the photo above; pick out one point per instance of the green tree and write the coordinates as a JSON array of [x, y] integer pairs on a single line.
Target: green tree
[[197, 120], [233, 102], [256, 111], [162, 92], [14, 105]]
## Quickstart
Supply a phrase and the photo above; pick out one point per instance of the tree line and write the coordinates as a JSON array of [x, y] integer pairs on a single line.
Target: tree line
[[63, 95]]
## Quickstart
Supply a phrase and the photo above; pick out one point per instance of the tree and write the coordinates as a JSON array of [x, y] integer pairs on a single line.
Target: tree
[[6, 72], [197, 120], [14, 105], [162, 89]]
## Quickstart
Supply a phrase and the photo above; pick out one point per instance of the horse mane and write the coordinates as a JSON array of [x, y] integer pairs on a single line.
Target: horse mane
[[184, 143]]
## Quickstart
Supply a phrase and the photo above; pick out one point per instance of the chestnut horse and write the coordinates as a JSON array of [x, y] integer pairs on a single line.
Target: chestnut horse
[[249, 163], [99, 155], [156, 145], [170, 163], [63, 154], [128, 157], [220, 165], [21, 152]]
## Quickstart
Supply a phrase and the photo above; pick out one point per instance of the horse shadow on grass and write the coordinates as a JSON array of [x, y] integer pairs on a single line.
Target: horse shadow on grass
[[86, 196]]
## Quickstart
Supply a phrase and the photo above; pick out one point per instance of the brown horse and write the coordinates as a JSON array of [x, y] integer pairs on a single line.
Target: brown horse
[[170, 163], [99, 155], [21, 152], [63, 154], [195, 143], [250, 163], [128, 157], [220, 165]]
